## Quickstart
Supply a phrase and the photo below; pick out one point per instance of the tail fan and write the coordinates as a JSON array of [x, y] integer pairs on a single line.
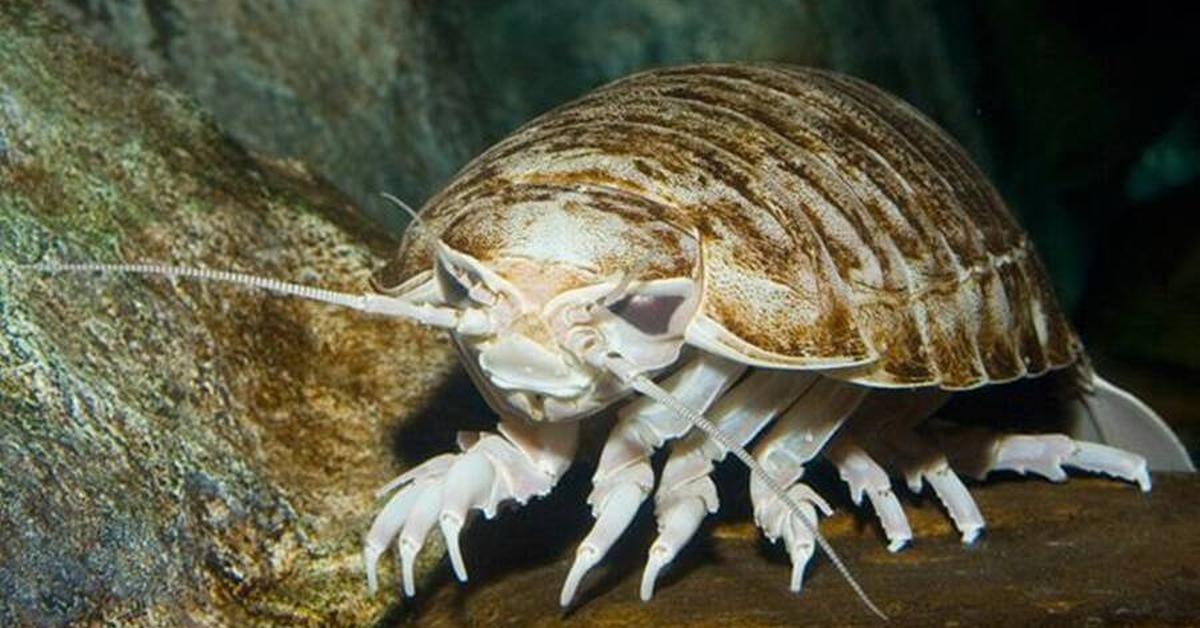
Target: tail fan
[[1104, 413]]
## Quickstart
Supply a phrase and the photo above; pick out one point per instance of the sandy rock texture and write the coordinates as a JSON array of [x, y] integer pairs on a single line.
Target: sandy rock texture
[[174, 452]]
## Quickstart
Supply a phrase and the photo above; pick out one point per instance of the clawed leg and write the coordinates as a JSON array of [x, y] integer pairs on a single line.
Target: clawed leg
[[884, 425], [520, 462], [921, 463], [977, 452], [776, 522], [864, 476], [686, 493], [795, 439], [623, 478], [678, 519], [524, 461]]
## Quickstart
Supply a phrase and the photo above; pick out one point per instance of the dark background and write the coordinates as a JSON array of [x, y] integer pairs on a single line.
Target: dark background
[[1088, 120]]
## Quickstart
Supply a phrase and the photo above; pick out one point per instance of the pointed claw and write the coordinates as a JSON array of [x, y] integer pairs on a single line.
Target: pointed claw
[[805, 493], [451, 526], [371, 556], [408, 554], [856, 493], [963, 510], [616, 513], [386, 526], [800, 558], [660, 556], [799, 543], [892, 518], [923, 462], [1143, 480], [864, 476], [916, 483], [467, 485], [424, 514], [1108, 460], [677, 523], [586, 557], [1045, 454], [777, 521], [1051, 471]]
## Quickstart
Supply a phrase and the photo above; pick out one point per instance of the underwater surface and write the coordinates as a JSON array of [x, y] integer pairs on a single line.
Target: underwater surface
[[176, 453]]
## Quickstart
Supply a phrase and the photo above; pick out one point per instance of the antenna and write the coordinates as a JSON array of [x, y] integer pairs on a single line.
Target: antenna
[[463, 321], [406, 208]]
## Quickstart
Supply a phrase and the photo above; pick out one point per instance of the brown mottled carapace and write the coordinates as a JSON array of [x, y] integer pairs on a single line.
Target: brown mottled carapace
[[837, 225]]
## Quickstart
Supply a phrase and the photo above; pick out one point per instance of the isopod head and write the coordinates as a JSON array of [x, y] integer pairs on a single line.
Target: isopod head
[[562, 282]]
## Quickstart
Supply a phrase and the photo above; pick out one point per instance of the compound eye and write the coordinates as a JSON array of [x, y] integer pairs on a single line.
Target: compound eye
[[649, 314]]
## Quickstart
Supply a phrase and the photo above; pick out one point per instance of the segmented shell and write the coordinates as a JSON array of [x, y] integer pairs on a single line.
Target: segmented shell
[[838, 225]]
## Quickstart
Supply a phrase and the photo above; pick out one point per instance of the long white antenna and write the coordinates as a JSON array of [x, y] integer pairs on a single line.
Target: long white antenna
[[645, 386], [465, 321]]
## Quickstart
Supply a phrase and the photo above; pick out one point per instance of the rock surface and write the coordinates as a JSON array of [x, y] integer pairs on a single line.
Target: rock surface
[[179, 452], [1090, 552]]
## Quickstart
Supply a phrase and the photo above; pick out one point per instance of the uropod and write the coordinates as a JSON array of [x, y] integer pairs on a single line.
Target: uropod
[[768, 257]]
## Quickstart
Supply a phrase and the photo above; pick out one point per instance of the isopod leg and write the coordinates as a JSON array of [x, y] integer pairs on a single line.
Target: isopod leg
[[679, 511], [977, 452], [795, 439], [885, 423], [921, 463], [686, 493], [864, 476], [522, 461], [776, 522], [623, 478], [390, 521]]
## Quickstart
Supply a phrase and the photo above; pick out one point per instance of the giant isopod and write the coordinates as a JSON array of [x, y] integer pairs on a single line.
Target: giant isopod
[[762, 256]]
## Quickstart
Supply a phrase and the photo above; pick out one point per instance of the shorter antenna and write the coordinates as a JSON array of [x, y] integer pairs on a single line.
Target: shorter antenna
[[406, 208]]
